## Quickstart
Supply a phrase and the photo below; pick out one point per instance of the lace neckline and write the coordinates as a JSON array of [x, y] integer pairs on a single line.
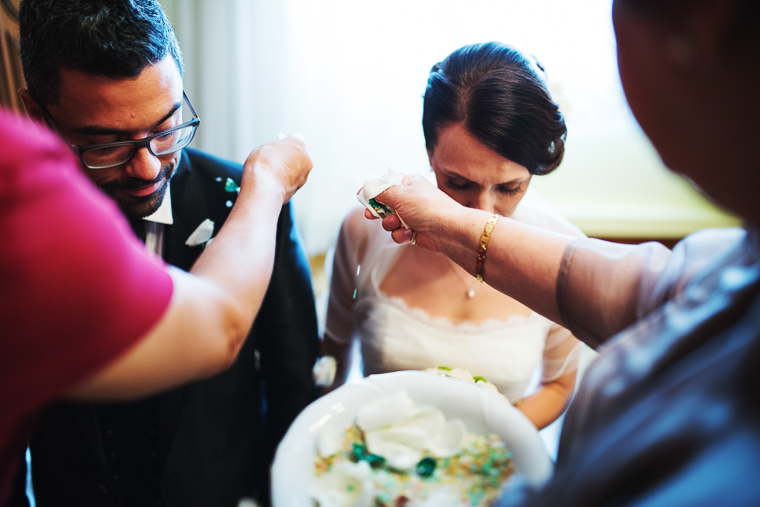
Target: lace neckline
[[385, 256]]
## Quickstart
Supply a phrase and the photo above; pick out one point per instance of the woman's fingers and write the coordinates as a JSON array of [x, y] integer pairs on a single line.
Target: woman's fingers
[[401, 235], [391, 223]]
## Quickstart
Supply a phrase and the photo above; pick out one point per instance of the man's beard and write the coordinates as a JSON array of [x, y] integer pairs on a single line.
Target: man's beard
[[140, 206]]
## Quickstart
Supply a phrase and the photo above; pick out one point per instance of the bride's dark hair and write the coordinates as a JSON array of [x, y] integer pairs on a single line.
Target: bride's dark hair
[[497, 94]]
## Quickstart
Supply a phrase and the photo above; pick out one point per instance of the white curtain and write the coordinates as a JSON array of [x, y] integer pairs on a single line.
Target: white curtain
[[349, 75]]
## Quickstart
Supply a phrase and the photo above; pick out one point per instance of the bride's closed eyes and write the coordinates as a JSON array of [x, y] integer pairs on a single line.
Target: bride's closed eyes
[[508, 189], [458, 186]]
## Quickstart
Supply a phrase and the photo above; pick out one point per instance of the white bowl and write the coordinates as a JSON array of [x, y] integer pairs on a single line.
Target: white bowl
[[482, 411]]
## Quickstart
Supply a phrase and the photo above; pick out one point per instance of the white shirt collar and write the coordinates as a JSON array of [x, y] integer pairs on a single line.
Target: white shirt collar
[[163, 215]]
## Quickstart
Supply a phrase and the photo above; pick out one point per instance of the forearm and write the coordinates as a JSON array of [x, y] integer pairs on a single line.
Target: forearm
[[212, 308], [198, 336], [211, 311], [240, 258], [522, 262], [547, 404], [591, 287]]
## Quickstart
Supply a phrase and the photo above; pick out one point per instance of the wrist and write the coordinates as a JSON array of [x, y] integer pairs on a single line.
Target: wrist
[[485, 239], [461, 236], [261, 183]]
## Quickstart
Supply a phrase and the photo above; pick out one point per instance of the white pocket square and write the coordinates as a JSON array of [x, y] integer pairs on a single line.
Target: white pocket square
[[202, 234]]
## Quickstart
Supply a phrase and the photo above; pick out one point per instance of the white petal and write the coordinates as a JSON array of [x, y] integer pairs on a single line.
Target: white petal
[[398, 456], [346, 485], [410, 436], [451, 440], [404, 461], [401, 447], [329, 441], [427, 418], [384, 411], [461, 374]]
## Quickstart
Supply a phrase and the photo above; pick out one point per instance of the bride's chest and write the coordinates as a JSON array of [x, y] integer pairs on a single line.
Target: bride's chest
[[433, 284]]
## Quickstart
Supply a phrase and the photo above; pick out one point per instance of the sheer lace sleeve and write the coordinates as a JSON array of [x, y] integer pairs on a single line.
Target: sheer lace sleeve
[[350, 249], [599, 285], [562, 352], [604, 287]]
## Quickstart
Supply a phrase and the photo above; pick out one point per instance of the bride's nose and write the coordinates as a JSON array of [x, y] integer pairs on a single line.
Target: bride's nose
[[484, 201]]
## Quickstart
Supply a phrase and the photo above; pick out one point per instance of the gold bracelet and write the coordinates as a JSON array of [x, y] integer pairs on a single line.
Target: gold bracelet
[[485, 238]]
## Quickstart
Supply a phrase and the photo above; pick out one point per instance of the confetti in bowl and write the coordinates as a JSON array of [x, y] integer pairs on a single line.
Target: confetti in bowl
[[482, 411]]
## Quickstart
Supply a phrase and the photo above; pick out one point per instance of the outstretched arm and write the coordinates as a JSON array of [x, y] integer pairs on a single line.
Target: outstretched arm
[[212, 307], [589, 286], [523, 261]]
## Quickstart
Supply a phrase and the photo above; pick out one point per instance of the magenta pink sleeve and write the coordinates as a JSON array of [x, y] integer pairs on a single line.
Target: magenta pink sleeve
[[77, 289]]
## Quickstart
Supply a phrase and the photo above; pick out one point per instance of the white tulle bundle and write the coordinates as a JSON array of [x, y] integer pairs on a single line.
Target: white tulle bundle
[[375, 185]]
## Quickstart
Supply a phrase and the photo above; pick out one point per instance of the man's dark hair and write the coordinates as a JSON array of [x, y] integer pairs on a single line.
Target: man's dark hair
[[495, 92], [112, 38]]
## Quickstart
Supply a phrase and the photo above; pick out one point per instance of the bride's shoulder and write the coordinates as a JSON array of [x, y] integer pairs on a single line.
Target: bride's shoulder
[[535, 210], [357, 226], [358, 233]]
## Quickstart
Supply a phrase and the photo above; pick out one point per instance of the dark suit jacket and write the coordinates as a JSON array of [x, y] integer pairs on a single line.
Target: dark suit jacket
[[207, 443]]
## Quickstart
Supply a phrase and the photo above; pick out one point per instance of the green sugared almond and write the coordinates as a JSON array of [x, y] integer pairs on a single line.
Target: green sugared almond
[[381, 209], [426, 467], [231, 186]]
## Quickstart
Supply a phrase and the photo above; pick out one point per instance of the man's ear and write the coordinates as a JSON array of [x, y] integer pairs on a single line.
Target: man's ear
[[32, 109]]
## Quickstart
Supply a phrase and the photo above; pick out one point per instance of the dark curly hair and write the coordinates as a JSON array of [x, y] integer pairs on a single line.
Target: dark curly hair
[[496, 93], [112, 38]]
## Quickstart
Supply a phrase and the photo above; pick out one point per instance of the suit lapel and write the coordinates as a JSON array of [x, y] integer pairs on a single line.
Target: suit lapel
[[189, 210]]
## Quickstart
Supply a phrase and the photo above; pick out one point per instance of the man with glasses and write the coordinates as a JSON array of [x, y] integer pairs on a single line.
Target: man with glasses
[[107, 76]]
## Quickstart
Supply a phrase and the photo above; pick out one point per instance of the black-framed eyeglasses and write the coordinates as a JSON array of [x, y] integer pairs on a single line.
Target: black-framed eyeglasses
[[105, 156]]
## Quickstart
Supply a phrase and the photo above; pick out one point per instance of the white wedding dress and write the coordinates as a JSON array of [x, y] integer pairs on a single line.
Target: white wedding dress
[[395, 336]]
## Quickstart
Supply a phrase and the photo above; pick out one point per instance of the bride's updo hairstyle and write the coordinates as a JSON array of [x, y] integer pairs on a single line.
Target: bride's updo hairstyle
[[497, 94]]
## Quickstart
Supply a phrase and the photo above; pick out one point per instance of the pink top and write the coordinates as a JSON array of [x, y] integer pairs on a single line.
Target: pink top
[[77, 289]]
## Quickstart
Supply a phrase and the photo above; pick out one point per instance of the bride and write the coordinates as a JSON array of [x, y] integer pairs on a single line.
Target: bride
[[490, 125]]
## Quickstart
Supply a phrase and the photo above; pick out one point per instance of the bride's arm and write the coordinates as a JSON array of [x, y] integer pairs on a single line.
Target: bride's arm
[[561, 357], [545, 405], [338, 335]]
